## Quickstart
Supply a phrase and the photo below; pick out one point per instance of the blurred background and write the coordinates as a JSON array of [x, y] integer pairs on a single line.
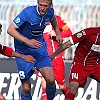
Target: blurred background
[[78, 14]]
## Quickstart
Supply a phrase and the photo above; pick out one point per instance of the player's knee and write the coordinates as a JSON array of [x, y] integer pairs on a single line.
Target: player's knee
[[73, 87], [2, 97], [26, 90], [51, 81]]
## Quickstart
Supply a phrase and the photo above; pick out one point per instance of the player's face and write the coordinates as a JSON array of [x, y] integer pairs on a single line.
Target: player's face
[[43, 6]]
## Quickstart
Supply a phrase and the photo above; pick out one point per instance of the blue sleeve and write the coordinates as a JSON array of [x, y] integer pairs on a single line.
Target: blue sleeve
[[20, 18]]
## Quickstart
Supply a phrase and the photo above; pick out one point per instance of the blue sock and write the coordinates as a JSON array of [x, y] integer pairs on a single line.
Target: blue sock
[[24, 97], [50, 92]]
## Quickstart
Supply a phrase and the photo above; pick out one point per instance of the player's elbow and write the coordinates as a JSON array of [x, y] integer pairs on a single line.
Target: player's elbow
[[11, 29]]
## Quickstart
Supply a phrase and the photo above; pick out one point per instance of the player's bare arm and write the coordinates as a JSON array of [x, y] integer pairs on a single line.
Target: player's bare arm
[[13, 32], [7, 51], [61, 48], [55, 26], [27, 58]]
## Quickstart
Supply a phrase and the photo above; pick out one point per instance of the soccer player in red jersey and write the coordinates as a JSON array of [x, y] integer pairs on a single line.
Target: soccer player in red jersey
[[86, 61], [58, 63]]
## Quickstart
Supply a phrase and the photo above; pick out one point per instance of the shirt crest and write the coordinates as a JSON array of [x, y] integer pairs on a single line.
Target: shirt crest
[[46, 21], [79, 35], [17, 20]]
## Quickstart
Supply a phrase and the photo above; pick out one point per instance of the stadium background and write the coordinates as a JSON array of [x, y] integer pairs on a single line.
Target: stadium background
[[78, 14]]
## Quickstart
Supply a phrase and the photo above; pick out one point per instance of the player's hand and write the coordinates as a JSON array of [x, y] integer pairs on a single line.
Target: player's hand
[[34, 43], [52, 56], [28, 58], [51, 33], [59, 39]]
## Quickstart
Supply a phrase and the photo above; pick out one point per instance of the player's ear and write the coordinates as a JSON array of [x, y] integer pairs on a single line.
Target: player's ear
[[51, 4]]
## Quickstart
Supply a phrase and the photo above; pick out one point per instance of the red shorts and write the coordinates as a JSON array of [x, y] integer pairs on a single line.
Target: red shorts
[[59, 70], [79, 73]]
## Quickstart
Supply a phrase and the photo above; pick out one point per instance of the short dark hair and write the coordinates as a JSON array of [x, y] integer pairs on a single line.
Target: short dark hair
[[0, 26]]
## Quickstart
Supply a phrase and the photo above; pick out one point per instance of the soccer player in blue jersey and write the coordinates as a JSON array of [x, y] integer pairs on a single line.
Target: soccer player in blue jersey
[[27, 29], [7, 51]]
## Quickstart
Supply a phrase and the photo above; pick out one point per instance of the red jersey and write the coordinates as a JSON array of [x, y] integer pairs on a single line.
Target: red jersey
[[5, 50], [52, 44], [88, 49]]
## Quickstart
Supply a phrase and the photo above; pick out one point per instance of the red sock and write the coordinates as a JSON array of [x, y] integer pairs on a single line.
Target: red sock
[[44, 95], [70, 96], [65, 91]]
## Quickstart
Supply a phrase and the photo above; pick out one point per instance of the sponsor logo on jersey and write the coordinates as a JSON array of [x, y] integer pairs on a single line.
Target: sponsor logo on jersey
[[95, 48], [37, 32]]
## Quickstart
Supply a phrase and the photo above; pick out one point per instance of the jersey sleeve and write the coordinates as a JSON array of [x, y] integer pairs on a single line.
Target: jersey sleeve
[[4, 50], [79, 36], [20, 18], [64, 29], [66, 33], [83, 34], [61, 22]]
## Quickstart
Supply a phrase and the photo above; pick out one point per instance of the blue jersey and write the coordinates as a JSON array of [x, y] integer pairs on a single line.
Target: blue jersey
[[31, 24]]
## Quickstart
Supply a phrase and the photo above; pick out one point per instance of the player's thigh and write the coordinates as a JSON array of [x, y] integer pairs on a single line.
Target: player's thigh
[[47, 73]]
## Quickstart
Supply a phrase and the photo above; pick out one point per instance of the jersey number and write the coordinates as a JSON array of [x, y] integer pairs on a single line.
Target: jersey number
[[21, 75], [74, 75]]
